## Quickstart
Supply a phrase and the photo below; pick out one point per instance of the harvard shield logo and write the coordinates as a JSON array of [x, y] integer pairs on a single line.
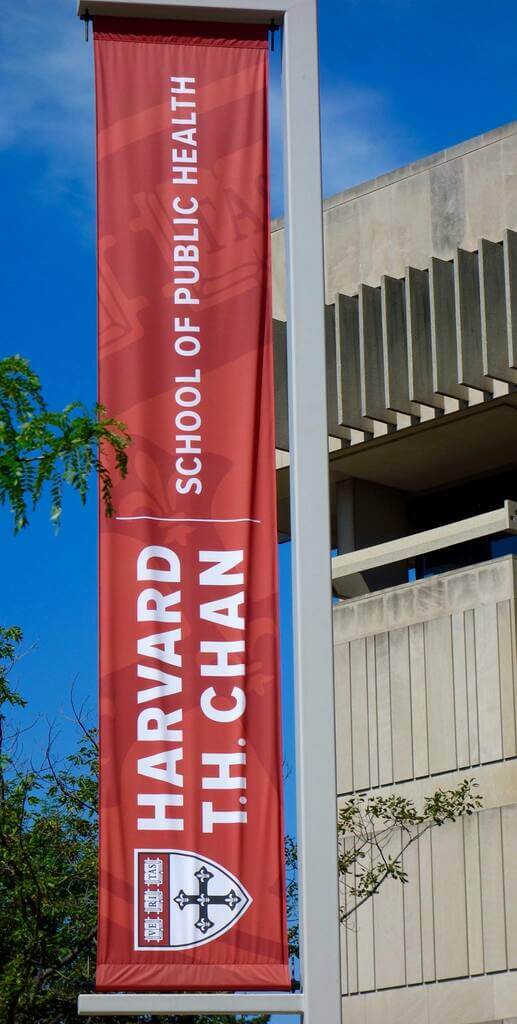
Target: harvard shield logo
[[184, 900]]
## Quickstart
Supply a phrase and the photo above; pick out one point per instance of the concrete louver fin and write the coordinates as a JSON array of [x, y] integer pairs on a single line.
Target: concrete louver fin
[[335, 427], [443, 330], [420, 358], [494, 320], [394, 340], [468, 321], [510, 277], [348, 365], [373, 389], [280, 378], [398, 352]]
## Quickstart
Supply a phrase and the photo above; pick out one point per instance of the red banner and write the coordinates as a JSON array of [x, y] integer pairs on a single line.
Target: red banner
[[191, 829]]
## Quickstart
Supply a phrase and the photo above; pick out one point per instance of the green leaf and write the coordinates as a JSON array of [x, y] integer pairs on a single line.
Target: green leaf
[[42, 449]]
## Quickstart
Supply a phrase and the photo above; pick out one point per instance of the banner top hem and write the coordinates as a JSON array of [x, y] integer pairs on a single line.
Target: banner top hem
[[186, 33]]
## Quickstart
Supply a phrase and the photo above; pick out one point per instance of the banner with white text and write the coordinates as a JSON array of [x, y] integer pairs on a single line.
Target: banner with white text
[[192, 892]]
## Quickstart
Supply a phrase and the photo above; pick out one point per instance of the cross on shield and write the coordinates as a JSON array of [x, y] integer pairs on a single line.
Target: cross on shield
[[203, 899]]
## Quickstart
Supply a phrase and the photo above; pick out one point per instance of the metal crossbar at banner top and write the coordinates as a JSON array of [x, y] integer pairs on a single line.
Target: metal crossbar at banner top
[[320, 1000], [250, 11]]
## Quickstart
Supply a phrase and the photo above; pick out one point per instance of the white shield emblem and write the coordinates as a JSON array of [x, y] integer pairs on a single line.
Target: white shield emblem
[[202, 901]]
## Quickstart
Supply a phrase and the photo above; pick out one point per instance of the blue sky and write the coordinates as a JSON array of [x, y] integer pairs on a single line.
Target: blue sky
[[399, 80]]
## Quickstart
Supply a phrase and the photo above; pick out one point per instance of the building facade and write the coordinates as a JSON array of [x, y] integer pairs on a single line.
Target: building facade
[[421, 339]]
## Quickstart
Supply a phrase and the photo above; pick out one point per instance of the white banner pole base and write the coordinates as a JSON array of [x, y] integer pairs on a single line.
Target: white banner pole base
[[133, 1005]]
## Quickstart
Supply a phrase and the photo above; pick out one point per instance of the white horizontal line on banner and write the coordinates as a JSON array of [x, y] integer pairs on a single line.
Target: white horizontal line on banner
[[177, 519]]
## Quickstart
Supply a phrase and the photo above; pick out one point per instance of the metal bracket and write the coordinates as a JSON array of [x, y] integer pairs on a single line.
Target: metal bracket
[[86, 17]]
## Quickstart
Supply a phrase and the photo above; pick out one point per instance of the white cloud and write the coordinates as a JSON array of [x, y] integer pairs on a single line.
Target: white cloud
[[46, 101], [358, 138], [46, 107]]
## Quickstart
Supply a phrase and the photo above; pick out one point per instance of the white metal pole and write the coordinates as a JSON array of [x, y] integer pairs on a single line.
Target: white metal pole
[[310, 527]]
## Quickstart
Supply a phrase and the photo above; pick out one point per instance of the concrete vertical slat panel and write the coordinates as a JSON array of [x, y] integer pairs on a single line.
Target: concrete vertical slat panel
[[412, 921], [373, 391], [472, 694], [394, 346], [402, 726], [473, 894], [444, 349], [348, 365], [365, 947], [344, 960], [440, 695], [372, 710], [509, 827], [418, 699], [426, 907], [468, 321], [390, 968], [359, 702], [344, 929], [449, 901], [343, 718], [492, 890], [513, 635], [280, 380], [351, 926], [460, 689], [488, 688], [510, 280], [504, 628], [494, 322], [418, 332], [384, 709]]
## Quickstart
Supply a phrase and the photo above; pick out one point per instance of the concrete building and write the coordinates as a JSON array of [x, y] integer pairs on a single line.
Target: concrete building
[[421, 287]]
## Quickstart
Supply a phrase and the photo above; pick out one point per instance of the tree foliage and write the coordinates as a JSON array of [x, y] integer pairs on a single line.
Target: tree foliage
[[42, 449], [375, 833], [48, 872], [291, 865]]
